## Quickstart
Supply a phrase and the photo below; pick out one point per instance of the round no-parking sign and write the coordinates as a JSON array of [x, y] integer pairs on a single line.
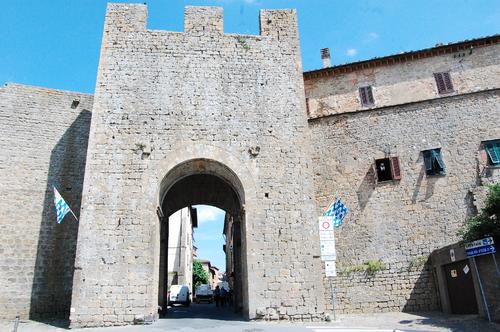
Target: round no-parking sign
[[325, 223]]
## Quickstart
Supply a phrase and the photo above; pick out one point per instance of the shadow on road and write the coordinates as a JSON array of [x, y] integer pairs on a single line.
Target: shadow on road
[[203, 311]]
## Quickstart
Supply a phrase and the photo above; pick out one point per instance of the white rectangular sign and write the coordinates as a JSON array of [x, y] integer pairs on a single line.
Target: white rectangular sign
[[325, 223], [330, 269], [327, 238], [328, 250], [326, 235]]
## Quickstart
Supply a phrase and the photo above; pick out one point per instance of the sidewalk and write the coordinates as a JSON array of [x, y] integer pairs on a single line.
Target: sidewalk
[[429, 321]]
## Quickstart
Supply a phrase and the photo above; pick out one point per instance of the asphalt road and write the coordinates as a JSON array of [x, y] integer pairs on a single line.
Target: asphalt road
[[207, 317]]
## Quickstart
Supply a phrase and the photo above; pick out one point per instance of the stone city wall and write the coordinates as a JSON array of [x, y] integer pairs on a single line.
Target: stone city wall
[[43, 142], [165, 97]]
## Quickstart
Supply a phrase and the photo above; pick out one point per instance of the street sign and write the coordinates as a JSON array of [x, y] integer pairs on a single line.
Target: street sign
[[480, 247], [328, 252], [327, 238], [479, 243], [481, 251], [325, 224], [330, 269]]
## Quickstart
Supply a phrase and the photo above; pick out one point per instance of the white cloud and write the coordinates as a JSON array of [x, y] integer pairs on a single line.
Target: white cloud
[[373, 35], [352, 52], [208, 213]]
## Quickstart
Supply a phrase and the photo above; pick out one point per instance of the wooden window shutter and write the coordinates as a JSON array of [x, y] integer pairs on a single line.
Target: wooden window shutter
[[443, 82], [369, 95], [362, 96], [438, 158], [366, 96], [440, 82], [395, 168], [427, 161], [447, 82], [493, 151]]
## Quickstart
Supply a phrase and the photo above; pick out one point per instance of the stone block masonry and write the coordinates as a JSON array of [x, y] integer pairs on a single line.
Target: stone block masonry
[[200, 94], [231, 109], [400, 222], [43, 142]]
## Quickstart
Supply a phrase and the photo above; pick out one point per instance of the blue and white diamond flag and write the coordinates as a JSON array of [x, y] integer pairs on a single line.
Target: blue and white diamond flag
[[62, 208], [338, 211]]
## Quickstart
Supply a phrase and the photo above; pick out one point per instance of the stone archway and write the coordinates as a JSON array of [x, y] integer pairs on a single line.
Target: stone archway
[[209, 182]]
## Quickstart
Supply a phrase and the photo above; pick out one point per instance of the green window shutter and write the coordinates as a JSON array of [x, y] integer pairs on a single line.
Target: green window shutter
[[493, 150], [428, 161], [496, 148], [438, 158]]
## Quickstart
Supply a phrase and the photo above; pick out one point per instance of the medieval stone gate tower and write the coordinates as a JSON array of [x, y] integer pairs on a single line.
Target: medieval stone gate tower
[[195, 108]]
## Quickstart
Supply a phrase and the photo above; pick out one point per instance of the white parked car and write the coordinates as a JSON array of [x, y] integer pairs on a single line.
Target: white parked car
[[179, 294]]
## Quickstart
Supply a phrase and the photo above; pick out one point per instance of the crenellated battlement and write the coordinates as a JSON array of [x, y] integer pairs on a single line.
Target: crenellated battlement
[[122, 17], [198, 20], [203, 20]]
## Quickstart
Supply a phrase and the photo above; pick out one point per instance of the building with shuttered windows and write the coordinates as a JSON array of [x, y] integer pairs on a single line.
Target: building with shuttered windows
[[408, 142]]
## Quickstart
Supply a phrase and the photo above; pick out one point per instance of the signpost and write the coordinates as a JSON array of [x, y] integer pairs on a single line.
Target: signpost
[[328, 252], [478, 248]]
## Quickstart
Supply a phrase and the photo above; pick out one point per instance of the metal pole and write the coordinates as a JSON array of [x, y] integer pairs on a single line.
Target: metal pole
[[73, 214], [496, 265], [482, 291], [332, 290]]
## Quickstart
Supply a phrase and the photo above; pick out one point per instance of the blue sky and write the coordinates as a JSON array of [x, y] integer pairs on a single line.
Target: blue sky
[[56, 43], [208, 236]]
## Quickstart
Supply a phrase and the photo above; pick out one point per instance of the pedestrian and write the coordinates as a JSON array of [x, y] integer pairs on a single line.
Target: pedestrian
[[217, 296], [223, 296]]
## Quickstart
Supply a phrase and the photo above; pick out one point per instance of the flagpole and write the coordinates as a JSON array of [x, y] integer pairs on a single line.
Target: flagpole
[[73, 214], [331, 204]]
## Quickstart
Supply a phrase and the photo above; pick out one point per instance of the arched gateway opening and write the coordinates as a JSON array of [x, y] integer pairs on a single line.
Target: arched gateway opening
[[206, 182]]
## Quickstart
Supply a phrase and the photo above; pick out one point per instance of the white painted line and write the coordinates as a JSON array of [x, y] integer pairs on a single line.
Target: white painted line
[[345, 329]]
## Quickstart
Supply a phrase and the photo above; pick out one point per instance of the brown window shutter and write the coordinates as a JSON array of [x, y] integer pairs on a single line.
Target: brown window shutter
[[362, 96], [447, 82], [366, 96], [395, 168], [440, 82], [369, 94]]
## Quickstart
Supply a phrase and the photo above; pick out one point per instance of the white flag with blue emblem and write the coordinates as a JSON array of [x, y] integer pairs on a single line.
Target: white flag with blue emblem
[[62, 207], [338, 211]]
